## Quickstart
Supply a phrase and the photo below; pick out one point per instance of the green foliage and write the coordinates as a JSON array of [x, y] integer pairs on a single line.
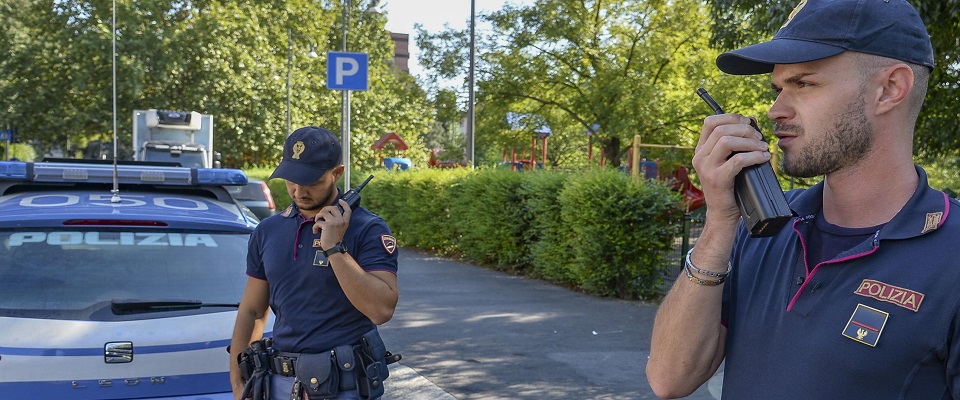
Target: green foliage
[[599, 231], [228, 58], [944, 174], [631, 67], [550, 247], [417, 205], [619, 230], [20, 151], [445, 134], [491, 221]]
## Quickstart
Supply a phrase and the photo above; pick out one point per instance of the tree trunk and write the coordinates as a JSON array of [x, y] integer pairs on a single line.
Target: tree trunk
[[611, 151]]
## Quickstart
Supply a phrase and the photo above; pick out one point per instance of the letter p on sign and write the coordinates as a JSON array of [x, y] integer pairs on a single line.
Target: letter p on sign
[[347, 71]]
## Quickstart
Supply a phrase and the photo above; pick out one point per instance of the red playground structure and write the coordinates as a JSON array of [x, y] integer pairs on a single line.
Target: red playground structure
[[391, 163]]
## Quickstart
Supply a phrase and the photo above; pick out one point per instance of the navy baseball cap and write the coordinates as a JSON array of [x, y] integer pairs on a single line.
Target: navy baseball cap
[[818, 29], [308, 153]]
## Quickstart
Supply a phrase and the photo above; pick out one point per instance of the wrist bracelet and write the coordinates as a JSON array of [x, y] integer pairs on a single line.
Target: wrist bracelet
[[690, 265], [722, 276], [703, 282]]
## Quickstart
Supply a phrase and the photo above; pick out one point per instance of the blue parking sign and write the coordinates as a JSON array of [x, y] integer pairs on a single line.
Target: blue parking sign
[[347, 71]]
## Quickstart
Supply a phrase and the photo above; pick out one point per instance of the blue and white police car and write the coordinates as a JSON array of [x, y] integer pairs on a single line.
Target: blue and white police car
[[118, 282]]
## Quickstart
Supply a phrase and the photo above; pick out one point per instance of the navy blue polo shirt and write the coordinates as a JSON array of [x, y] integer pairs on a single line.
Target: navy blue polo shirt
[[877, 321], [312, 312]]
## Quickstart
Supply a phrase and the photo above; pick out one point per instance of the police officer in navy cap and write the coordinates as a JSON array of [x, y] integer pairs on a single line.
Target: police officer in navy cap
[[329, 278], [856, 298]]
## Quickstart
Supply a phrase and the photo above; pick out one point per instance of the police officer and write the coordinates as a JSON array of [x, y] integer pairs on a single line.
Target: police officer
[[857, 297], [329, 277]]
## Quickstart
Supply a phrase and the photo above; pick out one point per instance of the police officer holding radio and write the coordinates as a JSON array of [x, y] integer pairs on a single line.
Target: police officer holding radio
[[856, 296], [329, 276]]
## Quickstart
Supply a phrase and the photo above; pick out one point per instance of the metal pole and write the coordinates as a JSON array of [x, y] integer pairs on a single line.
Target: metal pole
[[345, 112], [289, 67], [115, 197], [470, 112]]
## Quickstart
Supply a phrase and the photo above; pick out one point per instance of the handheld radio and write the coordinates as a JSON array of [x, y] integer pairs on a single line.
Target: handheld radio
[[352, 196], [758, 193]]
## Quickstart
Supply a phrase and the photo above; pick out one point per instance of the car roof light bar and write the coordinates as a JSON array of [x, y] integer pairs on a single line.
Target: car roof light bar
[[13, 170], [213, 176], [57, 172]]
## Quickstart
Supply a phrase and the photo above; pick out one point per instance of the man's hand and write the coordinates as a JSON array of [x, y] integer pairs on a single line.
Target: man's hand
[[728, 143], [331, 224]]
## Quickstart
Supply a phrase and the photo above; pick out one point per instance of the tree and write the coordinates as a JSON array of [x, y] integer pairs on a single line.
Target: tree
[[630, 67], [445, 136], [227, 58]]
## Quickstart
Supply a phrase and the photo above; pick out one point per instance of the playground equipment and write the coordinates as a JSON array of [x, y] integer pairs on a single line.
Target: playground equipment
[[392, 163], [541, 134], [692, 195], [437, 161]]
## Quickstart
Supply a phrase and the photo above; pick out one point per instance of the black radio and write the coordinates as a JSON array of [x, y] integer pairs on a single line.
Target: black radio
[[761, 201]]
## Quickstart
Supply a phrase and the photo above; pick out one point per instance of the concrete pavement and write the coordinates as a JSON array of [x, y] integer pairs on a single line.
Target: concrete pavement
[[466, 332]]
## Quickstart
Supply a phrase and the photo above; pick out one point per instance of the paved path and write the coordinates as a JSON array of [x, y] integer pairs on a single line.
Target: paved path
[[466, 332]]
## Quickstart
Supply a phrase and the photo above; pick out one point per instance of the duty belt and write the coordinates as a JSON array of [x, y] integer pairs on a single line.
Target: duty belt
[[285, 364]]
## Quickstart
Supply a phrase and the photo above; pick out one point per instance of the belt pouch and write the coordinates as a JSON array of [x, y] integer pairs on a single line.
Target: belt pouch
[[319, 375], [371, 352], [347, 363], [246, 364], [374, 348]]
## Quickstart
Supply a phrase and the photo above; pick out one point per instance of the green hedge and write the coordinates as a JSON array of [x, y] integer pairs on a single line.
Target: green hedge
[[597, 231], [416, 205]]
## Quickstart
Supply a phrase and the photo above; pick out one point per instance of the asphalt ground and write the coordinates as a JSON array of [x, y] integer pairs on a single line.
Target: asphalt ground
[[467, 332]]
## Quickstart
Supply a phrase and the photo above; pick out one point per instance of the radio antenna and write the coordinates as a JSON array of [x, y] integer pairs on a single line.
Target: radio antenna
[[116, 187]]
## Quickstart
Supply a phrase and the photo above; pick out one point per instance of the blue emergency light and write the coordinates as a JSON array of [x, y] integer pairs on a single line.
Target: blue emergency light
[[59, 172]]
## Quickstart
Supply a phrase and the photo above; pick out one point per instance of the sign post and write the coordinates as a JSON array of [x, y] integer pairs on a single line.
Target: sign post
[[7, 135], [346, 72]]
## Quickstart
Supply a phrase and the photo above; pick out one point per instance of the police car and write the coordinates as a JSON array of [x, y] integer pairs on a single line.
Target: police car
[[118, 282]]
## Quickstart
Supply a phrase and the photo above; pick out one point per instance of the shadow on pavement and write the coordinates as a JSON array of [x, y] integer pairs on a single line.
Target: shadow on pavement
[[467, 332]]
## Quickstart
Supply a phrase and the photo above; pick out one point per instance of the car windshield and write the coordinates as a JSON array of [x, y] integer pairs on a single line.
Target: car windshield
[[189, 159], [62, 270], [249, 192]]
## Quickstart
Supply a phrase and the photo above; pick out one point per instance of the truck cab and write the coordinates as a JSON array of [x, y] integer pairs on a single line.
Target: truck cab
[[180, 137]]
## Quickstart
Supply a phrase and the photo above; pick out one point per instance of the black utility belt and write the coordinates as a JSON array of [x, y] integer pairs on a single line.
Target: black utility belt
[[285, 364], [361, 367]]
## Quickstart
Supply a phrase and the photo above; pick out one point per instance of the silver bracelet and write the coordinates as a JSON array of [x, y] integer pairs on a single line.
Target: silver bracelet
[[689, 265]]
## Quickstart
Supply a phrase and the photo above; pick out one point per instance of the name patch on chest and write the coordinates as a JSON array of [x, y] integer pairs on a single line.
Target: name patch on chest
[[905, 298]]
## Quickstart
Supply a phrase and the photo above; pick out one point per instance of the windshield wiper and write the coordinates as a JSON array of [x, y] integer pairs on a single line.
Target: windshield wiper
[[129, 306]]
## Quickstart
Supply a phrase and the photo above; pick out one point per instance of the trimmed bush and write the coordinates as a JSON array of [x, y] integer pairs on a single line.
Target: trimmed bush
[[550, 244], [488, 215], [619, 229], [416, 205]]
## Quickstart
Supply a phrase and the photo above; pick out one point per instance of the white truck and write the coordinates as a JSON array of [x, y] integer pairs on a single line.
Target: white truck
[[183, 137]]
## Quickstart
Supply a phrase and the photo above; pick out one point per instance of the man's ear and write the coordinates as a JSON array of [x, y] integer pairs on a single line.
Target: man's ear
[[896, 85], [338, 172]]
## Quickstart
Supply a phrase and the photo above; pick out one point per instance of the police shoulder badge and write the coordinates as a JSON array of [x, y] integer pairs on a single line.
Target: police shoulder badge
[[932, 222], [389, 243]]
